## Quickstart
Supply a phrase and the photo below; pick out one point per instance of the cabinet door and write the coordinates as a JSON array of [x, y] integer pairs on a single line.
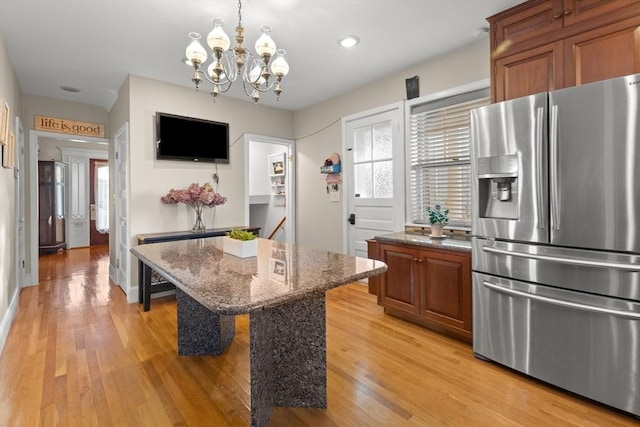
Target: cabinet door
[[577, 11], [398, 286], [445, 289], [603, 53], [525, 22], [526, 73]]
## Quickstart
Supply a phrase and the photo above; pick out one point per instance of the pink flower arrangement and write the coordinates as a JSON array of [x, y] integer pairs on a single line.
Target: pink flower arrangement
[[196, 196]]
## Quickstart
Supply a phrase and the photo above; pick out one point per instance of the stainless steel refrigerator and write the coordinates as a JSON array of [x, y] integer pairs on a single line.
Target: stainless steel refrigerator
[[556, 247]]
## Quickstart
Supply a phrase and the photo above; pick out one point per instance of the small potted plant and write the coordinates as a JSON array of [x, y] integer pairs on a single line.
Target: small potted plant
[[240, 243], [438, 219]]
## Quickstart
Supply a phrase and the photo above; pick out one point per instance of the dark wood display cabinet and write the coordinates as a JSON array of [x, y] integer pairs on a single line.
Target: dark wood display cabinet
[[427, 286], [543, 45], [51, 206]]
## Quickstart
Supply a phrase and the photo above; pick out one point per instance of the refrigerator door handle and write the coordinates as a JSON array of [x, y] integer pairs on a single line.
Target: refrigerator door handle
[[539, 166], [553, 168], [572, 261], [563, 303]]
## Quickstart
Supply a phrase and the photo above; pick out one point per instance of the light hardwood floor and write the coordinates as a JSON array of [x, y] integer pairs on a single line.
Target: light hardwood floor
[[79, 355]]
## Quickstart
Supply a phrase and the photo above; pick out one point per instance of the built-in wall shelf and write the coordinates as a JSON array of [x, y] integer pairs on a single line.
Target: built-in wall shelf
[[277, 174]]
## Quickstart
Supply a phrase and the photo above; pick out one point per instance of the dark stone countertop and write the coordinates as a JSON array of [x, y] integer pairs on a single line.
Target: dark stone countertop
[[230, 285], [453, 243]]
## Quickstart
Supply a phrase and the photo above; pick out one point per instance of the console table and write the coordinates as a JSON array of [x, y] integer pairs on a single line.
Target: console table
[[283, 291], [145, 285]]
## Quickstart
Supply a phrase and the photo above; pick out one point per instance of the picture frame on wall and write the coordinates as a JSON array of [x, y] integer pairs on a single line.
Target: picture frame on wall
[[4, 121], [9, 151], [276, 164]]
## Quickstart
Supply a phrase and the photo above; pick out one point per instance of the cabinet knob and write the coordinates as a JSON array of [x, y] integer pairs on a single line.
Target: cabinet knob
[[557, 15], [567, 12]]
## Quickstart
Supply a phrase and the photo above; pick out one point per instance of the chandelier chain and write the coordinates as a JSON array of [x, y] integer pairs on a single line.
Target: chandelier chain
[[239, 13]]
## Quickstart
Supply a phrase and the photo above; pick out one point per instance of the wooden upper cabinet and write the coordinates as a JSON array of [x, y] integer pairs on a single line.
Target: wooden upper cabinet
[[604, 53], [527, 21], [577, 11], [526, 73], [543, 45]]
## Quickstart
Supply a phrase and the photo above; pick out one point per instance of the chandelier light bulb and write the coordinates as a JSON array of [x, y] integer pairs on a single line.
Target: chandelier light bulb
[[265, 46], [195, 51], [279, 66], [217, 38]]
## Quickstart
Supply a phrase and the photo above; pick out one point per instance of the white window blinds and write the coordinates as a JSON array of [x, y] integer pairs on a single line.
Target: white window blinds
[[440, 157]]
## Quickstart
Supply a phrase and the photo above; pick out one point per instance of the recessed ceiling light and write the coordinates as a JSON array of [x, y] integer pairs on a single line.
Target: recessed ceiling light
[[349, 41], [69, 89]]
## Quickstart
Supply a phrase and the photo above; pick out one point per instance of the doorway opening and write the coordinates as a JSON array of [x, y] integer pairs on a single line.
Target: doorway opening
[[47, 145], [270, 187]]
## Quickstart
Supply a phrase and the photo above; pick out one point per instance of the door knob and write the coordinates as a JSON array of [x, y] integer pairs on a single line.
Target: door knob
[[352, 219]]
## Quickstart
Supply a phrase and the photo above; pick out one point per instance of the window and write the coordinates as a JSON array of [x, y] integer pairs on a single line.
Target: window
[[102, 197], [440, 156], [373, 161]]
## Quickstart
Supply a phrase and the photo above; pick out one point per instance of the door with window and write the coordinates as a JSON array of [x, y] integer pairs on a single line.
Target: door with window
[[374, 171], [98, 202]]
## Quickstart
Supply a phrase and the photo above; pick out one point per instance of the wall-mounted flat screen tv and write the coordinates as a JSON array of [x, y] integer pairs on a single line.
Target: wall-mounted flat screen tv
[[191, 139]]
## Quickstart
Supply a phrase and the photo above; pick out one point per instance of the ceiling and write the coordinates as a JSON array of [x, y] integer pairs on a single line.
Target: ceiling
[[94, 44]]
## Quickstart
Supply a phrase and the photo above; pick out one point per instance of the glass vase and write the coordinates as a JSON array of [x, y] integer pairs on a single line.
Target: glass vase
[[198, 226]]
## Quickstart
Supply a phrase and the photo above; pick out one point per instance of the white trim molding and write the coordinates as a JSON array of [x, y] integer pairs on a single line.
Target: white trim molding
[[7, 320]]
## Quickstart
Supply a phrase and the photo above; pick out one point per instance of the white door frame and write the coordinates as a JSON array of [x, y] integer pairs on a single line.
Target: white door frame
[[20, 205], [290, 181], [33, 246], [398, 168], [119, 272]]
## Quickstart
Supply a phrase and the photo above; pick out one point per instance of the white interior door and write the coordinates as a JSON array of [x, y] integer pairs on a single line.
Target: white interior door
[[20, 205], [374, 175], [78, 218], [121, 201]]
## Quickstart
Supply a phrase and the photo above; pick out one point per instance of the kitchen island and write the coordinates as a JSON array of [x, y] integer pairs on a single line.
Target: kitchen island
[[282, 290]]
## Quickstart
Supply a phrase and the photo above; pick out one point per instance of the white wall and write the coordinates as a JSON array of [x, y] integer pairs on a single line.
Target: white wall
[[151, 178], [50, 148], [320, 222], [9, 91]]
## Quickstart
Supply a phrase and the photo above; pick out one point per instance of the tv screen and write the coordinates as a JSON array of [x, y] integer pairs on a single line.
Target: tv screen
[[188, 138]]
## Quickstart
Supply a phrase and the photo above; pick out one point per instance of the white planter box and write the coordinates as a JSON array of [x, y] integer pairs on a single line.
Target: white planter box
[[240, 248]]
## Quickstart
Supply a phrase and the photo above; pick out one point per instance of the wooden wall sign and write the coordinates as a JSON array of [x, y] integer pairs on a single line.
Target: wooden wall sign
[[73, 127]]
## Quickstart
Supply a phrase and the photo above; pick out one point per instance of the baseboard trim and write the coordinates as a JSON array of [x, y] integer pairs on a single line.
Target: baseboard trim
[[132, 295], [28, 281], [7, 319]]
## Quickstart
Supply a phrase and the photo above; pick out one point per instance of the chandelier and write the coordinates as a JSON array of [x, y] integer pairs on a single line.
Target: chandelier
[[230, 64]]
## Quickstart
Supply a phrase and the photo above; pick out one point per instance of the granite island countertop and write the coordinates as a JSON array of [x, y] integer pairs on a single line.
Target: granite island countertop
[[230, 285], [454, 243]]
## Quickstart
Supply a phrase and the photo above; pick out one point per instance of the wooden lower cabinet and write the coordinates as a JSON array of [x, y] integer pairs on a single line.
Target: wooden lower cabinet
[[431, 287]]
